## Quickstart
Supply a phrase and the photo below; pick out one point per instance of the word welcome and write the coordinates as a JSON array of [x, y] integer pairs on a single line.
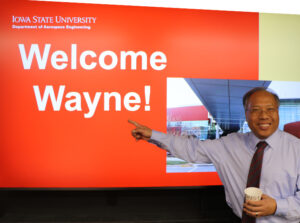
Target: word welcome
[[73, 100], [107, 60]]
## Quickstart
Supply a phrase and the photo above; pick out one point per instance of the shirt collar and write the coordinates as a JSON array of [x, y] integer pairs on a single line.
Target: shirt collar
[[273, 140]]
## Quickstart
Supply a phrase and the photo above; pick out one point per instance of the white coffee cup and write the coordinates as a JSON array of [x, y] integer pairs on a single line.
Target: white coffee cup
[[253, 194]]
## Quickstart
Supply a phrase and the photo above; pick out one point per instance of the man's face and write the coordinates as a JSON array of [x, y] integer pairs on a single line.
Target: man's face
[[262, 114]]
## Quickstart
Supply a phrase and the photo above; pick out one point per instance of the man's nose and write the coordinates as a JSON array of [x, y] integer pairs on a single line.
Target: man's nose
[[264, 113]]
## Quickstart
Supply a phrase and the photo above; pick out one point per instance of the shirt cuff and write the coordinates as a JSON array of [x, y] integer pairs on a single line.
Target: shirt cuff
[[156, 135], [282, 207], [155, 139]]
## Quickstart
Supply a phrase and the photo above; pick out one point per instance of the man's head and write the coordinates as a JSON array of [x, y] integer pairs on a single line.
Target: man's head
[[261, 110]]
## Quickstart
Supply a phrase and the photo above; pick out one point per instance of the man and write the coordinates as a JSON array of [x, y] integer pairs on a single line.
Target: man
[[232, 155]]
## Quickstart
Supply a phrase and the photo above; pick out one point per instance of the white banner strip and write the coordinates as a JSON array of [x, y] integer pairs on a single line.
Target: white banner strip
[[266, 6]]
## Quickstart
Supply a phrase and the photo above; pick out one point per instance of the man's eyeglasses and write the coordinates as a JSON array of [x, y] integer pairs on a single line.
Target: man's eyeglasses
[[258, 111]]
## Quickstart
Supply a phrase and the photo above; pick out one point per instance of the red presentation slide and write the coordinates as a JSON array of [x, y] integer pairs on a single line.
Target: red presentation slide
[[73, 74]]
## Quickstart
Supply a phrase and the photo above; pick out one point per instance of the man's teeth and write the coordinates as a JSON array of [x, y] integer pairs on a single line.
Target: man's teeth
[[264, 125]]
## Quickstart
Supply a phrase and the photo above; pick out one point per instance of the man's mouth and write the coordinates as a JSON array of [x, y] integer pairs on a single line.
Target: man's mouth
[[264, 126]]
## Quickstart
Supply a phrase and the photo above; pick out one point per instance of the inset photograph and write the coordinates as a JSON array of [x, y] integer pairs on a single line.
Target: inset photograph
[[212, 108]]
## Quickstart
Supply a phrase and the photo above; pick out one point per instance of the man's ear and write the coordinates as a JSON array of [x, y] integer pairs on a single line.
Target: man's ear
[[246, 116]]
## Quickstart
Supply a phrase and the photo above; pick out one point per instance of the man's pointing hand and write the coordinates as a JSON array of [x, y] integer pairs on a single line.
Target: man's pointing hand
[[140, 131]]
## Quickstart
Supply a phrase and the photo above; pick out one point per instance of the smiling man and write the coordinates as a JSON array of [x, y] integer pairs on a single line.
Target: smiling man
[[235, 157], [261, 109]]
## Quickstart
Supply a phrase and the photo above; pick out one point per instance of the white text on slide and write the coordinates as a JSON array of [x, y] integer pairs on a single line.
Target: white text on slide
[[61, 60], [73, 100]]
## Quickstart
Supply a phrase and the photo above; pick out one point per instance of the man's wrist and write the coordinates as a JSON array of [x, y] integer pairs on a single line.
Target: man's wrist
[[281, 207]]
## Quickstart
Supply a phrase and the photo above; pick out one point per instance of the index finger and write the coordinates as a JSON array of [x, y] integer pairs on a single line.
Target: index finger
[[134, 123], [254, 203]]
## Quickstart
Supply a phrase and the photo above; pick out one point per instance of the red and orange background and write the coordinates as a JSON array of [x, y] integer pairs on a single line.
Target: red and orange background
[[60, 149]]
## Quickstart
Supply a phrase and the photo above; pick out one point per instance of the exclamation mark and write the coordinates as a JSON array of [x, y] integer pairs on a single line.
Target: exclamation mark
[[147, 98]]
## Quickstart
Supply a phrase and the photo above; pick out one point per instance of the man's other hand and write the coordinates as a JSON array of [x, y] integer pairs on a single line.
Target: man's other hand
[[266, 206], [140, 131]]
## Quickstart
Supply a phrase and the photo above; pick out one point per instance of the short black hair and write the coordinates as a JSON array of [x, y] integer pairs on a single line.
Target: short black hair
[[256, 89]]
